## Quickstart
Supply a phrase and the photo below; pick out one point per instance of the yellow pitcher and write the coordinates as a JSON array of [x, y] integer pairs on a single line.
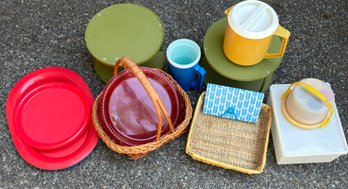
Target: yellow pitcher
[[249, 32]]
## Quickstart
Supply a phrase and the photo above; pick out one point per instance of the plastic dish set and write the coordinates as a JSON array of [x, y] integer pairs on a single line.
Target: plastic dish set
[[55, 122]]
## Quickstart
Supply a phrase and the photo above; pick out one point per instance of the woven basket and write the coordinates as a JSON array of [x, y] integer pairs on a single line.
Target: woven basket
[[228, 143], [137, 152]]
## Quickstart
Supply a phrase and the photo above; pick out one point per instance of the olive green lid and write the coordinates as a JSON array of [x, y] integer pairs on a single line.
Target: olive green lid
[[124, 30], [213, 50]]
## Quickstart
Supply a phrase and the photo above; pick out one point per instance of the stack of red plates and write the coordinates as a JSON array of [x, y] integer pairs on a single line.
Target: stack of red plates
[[126, 111], [49, 117]]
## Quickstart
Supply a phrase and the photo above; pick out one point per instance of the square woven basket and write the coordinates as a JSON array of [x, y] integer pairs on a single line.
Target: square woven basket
[[228, 143]]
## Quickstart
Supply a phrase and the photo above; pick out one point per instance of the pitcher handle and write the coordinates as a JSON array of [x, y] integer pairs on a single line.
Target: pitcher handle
[[227, 11], [285, 34]]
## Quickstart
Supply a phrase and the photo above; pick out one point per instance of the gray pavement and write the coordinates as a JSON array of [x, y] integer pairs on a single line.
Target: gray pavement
[[36, 34]]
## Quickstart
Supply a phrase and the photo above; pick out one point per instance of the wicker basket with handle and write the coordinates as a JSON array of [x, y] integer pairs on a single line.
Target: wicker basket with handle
[[139, 151]]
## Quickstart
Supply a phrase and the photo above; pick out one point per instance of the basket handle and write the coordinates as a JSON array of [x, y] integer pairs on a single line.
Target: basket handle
[[316, 93], [150, 90]]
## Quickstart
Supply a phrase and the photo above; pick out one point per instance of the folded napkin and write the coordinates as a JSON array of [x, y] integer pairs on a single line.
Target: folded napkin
[[232, 103]]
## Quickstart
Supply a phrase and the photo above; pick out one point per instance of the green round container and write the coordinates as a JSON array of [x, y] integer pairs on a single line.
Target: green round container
[[124, 30], [222, 71]]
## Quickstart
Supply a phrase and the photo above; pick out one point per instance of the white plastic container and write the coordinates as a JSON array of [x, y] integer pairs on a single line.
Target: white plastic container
[[294, 145]]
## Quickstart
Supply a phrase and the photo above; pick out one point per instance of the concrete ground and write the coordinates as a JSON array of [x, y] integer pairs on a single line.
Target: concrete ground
[[37, 33]]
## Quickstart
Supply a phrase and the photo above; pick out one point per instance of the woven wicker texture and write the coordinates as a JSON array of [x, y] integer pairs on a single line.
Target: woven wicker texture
[[228, 143], [137, 152]]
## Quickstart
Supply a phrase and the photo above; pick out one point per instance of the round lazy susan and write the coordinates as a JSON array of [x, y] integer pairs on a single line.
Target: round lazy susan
[[124, 30], [221, 70]]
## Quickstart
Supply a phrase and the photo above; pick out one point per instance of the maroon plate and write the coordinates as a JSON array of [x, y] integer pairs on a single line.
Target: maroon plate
[[127, 113]]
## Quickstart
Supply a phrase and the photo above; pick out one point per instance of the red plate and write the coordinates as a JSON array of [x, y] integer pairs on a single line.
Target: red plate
[[66, 151], [52, 115], [126, 111], [55, 160], [59, 99]]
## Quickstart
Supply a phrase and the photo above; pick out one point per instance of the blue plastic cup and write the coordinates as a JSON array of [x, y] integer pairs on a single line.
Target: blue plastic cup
[[183, 56]]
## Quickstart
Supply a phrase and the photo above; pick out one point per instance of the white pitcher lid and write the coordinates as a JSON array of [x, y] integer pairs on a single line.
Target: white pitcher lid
[[253, 19]]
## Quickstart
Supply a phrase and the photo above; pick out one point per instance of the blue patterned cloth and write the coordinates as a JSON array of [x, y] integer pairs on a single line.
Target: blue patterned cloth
[[233, 103]]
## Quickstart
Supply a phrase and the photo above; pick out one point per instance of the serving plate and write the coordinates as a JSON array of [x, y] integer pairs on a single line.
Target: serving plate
[[127, 112], [48, 113]]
